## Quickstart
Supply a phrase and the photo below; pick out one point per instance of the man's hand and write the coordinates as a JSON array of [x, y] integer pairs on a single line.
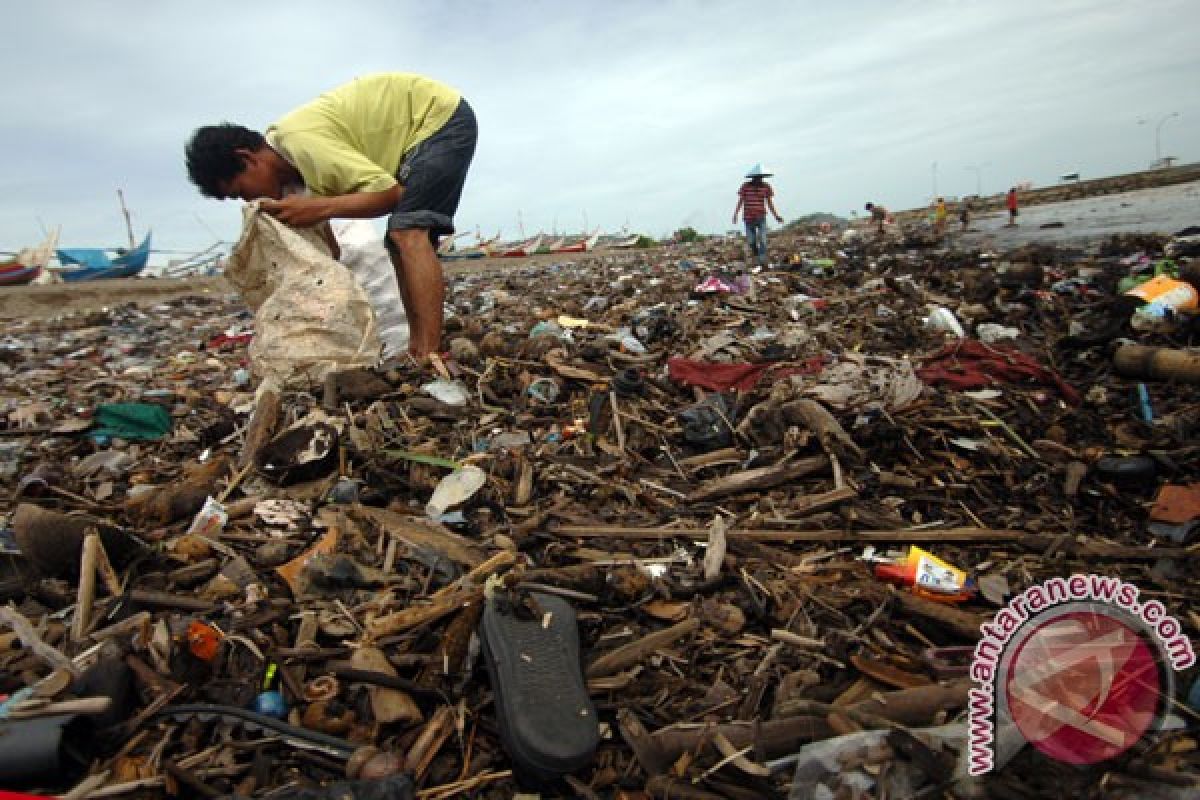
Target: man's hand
[[298, 211]]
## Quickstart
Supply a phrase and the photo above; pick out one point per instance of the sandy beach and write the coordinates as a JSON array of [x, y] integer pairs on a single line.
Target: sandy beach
[[39, 302], [1159, 210]]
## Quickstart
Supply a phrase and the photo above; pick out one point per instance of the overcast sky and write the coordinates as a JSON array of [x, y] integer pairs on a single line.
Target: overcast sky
[[646, 112]]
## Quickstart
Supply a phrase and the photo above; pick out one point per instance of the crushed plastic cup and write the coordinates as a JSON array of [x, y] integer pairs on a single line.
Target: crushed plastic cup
[[630, 344], [452, 393], [544, 390], [455, 489], [547, 328], [990, 333], [210, 520]]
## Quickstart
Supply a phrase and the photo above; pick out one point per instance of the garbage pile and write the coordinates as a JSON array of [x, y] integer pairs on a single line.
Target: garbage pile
[[654, 526]]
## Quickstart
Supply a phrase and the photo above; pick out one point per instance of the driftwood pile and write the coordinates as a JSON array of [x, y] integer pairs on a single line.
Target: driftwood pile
[[710, 541]]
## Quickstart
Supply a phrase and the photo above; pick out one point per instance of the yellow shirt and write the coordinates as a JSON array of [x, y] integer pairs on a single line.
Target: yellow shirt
[[352, 139]]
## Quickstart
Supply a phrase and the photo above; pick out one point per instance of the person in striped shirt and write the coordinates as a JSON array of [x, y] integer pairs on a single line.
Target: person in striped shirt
[[754, 198]]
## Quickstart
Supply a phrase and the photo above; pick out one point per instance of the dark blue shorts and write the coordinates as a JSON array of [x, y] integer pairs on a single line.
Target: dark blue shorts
[[433, 174]]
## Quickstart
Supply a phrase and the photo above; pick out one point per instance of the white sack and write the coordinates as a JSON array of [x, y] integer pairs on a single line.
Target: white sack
[[364, 254], [310, 316]]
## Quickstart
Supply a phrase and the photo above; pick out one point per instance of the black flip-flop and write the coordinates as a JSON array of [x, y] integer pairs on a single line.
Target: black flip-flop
[[548, 724]]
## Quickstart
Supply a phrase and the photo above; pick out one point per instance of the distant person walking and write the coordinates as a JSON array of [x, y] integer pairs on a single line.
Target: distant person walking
[[754, 198], [1010, 202], [939, 217], [879, 215], [964, 214], [394, 144]]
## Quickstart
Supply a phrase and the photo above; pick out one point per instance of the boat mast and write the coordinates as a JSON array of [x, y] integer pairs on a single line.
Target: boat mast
[[128, 224]]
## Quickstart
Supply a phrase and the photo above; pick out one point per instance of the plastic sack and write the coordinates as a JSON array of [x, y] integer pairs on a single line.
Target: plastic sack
[[847, 766], [310, 316], [364, 254], [706, 425]]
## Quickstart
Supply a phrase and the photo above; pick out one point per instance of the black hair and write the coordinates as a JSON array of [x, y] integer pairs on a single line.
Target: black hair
[[212, 157]]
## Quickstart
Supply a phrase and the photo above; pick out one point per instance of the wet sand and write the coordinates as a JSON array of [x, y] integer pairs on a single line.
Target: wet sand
[[1165, 209]]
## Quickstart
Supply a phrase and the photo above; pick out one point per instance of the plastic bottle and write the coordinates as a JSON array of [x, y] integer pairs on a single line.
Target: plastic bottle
[[928, 576]]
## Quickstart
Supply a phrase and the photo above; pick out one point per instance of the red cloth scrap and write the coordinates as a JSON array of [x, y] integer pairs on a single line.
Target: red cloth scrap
[[743, 377], [970, 364], [225, 340]]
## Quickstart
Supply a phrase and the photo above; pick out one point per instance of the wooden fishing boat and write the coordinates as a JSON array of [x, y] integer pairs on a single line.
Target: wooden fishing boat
[[94, 263], [15, 274], [28, 264], [584, 244], [519, 249]]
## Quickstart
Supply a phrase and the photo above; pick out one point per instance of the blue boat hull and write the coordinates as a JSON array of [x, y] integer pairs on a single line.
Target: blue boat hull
[[94, 263]]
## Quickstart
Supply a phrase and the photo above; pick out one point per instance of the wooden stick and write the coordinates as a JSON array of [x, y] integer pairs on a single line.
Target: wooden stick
[[262, 424], [824, 536], [128, 625], [796, 640], [730, 455], [87, 585], [418, 615], [630, 654], [963, 623], [234, 482], [112, 581], [495, 564], [430, 741], [460, 788], [167, 600], [616, 412], [760, 478]]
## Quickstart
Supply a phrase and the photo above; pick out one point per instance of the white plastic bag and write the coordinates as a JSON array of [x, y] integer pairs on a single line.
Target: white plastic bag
[[455, 489], [364, 254], [942, 320], [310, 316]]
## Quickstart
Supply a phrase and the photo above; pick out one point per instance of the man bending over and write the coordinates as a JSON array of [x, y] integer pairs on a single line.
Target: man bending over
[[395, 144]]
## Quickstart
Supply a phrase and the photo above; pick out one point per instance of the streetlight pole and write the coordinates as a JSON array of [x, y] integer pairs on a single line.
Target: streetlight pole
[[1158, 136]]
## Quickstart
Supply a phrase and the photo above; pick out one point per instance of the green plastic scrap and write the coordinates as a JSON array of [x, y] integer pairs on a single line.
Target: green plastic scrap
[[422, 458], [131, 421]]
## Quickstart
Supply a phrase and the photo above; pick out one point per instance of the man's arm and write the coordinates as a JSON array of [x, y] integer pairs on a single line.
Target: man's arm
[[304, 212], [738, 209], [771, 205]]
